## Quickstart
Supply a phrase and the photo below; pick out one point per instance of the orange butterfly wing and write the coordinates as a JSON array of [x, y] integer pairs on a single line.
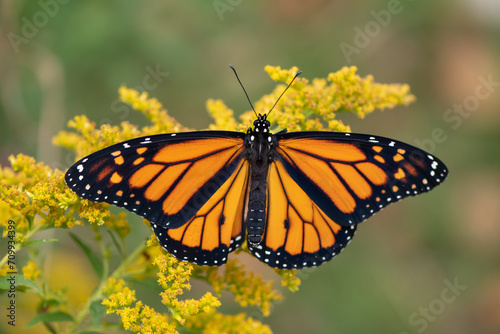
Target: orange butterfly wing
[[297, 233], [352, 176], [216, 229], [164, 178], [321, 185]]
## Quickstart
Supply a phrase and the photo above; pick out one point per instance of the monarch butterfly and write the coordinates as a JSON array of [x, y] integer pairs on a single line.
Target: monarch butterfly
[[297, 197]]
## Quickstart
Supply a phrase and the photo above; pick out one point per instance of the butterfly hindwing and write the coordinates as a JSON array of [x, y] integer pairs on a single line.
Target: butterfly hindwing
[[216, 229], [297, 232], [164, 178], [352, 176]]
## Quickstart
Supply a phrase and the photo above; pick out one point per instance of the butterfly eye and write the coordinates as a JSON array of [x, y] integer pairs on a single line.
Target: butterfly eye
[[268, 124]]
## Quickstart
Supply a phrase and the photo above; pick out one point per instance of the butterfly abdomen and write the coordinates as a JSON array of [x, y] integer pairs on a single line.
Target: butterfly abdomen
[[256, 214]]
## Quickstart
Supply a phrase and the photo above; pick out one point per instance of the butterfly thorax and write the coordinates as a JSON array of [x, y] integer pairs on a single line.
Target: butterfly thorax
[[259, 149], [259, 140]]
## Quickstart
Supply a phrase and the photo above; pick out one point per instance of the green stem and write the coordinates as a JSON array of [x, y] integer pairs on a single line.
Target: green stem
[[98, 293], [102, 248]]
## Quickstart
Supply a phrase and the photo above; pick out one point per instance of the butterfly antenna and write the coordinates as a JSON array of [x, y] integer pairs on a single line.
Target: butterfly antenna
[[251, 105], [291, 82]]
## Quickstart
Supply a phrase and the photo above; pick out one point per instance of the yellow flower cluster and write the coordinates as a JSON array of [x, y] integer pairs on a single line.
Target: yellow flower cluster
[[30, 271], [362, 95], [92, 138], [36, 196], [289, 279], [222, 115], [5, 269], [39, 194], [215, 323], [174, 277], [311, 106], [152, 109], [134, 314], [235, 324], [247, 287]]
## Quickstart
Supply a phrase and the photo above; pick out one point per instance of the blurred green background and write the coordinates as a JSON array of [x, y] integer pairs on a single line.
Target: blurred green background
[[61, 58]]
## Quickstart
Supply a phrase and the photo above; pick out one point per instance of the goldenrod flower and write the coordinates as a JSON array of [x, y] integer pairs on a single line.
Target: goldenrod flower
[[174, 277], [247, 287], [237, 324], [30, 271], [222, 115], [119, 295], [134, 314]]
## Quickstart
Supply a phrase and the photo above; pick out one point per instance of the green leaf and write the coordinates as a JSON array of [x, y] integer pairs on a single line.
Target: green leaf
[[97, 310], [50, 317], [18, 280], [94, 259], [38, 242]]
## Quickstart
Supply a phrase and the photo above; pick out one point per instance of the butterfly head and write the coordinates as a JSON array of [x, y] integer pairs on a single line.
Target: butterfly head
[[261, 124]]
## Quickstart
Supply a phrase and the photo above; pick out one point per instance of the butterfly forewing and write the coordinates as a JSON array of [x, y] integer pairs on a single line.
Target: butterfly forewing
[[352, 176], [164, 178]]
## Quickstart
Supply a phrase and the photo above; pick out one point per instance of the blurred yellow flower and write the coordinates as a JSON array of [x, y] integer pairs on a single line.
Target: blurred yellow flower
[[30, 271]]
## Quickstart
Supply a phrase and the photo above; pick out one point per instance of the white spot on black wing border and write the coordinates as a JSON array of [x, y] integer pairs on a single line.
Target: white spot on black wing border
[[216, 257], [281, 259]]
